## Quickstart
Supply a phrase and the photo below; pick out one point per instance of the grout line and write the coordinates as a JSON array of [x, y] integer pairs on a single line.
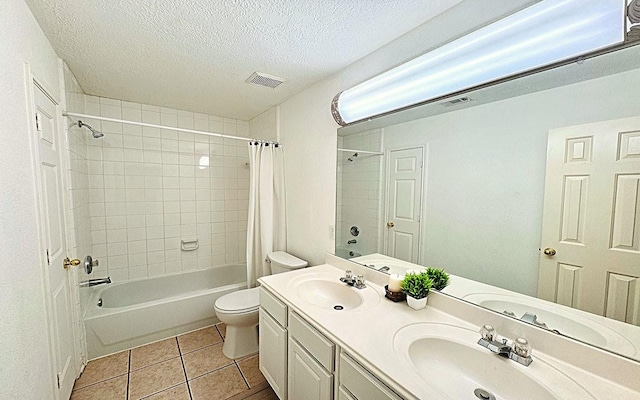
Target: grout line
[[128, 374], [242, 374], [184, 370], [163, 390], [200, 348], [213, 370]]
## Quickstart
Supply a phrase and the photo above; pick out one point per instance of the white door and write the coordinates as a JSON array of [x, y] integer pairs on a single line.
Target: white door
[[54, 239], [404, 200], [591, 219]]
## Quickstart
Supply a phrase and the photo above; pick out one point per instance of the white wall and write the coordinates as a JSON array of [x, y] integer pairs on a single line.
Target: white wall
[[485, 176], [25, 367], [308, 130]]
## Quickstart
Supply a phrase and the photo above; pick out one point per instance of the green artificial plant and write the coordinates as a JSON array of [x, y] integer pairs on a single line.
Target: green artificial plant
[[439, 278], [416, 285]]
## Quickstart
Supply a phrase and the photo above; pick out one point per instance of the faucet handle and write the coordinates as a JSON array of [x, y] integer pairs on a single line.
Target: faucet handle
[[360, 280], [348, 274], [522, 347], [488, 333]]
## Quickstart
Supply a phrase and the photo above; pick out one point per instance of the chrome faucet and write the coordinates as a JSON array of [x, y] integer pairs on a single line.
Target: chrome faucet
[[520, 352], [355, 281], [95, 282]]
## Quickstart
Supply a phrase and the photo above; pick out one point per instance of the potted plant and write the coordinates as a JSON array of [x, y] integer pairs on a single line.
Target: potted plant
[[416, 286], [439, 278]]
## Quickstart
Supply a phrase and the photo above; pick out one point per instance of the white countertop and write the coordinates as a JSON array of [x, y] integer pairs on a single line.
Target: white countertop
[[368, 335]]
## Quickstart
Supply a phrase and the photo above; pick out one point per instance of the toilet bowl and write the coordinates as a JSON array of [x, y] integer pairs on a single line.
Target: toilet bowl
[[239, 310]]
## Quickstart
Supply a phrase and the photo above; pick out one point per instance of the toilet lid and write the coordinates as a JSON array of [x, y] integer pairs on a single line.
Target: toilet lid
[[241, 300]]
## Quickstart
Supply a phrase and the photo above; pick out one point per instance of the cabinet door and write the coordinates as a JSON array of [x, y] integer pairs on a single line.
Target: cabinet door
[[308, 380], [273, 354]]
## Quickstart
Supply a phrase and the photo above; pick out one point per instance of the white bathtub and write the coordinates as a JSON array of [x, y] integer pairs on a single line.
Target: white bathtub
[[137, 312]]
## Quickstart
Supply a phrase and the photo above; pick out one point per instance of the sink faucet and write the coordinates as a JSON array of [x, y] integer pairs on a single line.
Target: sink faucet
[[357, 281], [94, 282], [520, 352]]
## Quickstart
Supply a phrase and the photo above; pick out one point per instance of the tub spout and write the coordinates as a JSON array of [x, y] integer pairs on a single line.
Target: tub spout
[[94, 282]]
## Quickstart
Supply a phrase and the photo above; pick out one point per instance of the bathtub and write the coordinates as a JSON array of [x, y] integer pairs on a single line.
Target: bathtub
[[141, 311]]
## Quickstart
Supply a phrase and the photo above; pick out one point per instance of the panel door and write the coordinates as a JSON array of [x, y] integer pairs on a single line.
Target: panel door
[[308, 380], [591, 219], [273, 353], [53, 234], [404, 200]]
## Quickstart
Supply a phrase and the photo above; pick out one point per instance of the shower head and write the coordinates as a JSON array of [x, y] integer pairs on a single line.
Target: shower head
[[353, 157], [96, 134]]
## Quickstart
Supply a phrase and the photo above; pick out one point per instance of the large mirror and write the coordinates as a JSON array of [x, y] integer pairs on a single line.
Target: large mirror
[[460, 185]]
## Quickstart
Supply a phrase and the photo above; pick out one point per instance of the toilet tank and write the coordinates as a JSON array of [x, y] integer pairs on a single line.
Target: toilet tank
[[283, 262]]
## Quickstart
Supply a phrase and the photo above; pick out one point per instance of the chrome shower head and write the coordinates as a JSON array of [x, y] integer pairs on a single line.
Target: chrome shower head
[[353, 157], [95, 133]]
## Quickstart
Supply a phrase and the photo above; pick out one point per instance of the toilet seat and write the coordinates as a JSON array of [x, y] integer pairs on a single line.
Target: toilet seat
[[239, 302]]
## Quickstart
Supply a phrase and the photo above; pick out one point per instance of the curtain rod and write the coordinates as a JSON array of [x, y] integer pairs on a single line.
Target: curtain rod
[[122, 121], [377, 153]]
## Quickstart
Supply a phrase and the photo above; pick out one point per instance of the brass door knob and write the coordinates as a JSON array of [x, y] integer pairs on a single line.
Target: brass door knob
[[390, 224], [549, 252], [66, 263]]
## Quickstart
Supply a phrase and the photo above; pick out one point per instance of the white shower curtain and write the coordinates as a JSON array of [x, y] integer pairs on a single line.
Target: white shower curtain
[[266, 226]]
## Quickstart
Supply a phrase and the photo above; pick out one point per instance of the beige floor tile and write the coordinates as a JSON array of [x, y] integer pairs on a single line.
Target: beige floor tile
[[265, 394], [154, 353], [112, 389], [221, 384], [205, 360], [260, 392], [222, 328], [157, 377], [199, 339], [250, 368], [103, 369], [180, 392]]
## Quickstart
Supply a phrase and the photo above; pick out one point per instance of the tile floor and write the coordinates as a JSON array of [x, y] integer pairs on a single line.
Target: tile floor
[[186, 367]]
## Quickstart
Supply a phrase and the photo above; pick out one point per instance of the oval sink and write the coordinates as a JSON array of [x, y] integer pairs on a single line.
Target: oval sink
[[449, 359], [334, 295], [567, 322]]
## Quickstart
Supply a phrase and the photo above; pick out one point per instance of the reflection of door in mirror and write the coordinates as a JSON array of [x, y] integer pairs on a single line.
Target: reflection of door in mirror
[[592, 219], [404, 202]]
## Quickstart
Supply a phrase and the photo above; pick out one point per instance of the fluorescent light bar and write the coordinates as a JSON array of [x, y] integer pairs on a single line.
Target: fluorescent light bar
[[542, 34]]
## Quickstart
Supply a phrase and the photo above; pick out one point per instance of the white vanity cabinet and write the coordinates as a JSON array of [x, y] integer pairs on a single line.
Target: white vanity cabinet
[[299, 361], [273, 342], [311, 361], [358, 383]]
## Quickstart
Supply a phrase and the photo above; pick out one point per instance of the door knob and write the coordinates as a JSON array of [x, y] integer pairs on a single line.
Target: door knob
[[66, 263], [549, 251], [390, 224]]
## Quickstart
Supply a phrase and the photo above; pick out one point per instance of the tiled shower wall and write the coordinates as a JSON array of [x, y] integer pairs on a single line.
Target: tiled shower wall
[[79, 239], [151, 188], [359, 193]]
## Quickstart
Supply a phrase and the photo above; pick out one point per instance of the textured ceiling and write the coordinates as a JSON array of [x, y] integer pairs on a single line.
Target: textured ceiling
[[197, 54]]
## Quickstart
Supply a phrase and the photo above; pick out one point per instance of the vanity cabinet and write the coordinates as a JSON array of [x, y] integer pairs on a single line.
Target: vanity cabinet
[[273, 342], [357, 383], [311, 361], [300, 362]]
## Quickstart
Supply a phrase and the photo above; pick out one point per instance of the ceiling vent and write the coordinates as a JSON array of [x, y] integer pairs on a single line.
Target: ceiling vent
[[258, 78], [455, 102]]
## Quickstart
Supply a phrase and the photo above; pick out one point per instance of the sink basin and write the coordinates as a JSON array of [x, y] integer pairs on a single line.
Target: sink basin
[[333, 295], [449, 359], [567, 322]]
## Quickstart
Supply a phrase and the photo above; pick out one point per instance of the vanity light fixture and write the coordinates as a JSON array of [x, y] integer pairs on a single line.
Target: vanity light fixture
[[543, 34]]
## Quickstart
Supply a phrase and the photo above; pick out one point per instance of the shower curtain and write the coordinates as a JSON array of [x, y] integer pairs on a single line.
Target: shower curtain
[[266, 226]]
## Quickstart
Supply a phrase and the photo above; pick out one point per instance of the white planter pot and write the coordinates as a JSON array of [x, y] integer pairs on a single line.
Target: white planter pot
[[417, 304]]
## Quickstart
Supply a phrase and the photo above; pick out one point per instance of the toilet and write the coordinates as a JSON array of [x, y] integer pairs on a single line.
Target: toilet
[[239, 310]]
